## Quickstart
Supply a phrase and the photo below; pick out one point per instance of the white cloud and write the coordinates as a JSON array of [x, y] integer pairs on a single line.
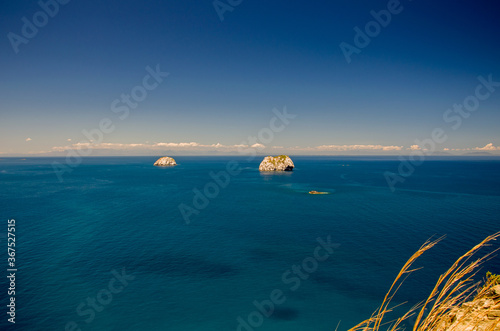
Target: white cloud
[[342, 148], [28, 139], [188, 146], [195, 147], [488, 147], [69, 139], [198, 147], [174, 145]]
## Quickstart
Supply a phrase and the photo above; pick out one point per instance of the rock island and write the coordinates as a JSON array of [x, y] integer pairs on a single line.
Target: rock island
[[276, 163], [165, 162]]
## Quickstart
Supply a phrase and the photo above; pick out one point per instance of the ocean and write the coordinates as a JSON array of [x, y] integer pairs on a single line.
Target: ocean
[[213, 244]]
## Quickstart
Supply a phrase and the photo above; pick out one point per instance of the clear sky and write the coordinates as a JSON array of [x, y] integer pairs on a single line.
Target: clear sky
[[66, 68]]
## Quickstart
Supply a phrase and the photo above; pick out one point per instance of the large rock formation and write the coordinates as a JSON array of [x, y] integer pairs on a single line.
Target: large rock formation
[[165, 162], [276, 163]]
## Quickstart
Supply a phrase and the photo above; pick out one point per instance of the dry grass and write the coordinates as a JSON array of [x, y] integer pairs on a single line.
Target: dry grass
[[444, 309]]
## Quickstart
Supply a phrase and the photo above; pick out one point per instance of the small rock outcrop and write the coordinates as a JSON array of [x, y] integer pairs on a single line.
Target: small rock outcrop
[[481, 314], [276, 163], [165, 162]]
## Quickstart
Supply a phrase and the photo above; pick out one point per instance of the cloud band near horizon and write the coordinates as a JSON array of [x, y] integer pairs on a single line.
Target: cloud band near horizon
[[87, 148]]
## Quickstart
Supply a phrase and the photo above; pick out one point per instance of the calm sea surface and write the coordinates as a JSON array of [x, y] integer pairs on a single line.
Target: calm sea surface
[[108, 248]]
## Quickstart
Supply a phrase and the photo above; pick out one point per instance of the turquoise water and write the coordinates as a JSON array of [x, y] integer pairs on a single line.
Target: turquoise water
[[121, 215]]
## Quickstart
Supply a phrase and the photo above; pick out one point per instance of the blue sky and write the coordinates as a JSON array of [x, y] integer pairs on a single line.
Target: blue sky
[[226, 77]]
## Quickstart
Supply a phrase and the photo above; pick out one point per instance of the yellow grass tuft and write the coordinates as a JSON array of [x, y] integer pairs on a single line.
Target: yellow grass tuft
[[449, 305]]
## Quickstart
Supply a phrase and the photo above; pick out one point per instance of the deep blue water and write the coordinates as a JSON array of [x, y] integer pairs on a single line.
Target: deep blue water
[[122, 214]]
